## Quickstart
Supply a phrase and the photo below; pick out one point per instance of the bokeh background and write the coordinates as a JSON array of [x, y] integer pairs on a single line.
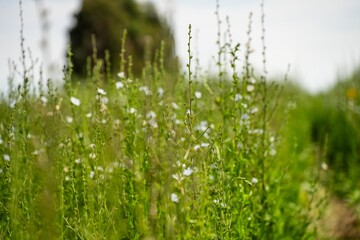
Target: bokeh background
[[318, 38]]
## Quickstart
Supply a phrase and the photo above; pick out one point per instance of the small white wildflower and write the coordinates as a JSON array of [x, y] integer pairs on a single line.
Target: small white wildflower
[[175, 106], [203, 125], [272, 139], [272, 152], [119, 85], [121, 75], [6, 157], [12, 103], [254, 110], [69, 119], [254, 180], [188, 112], [89, 115], [78, 161], [145, 90], [182, 139], [104, 100], [101, 91], [44, 100], [324, 166], [161, 91], [188, 171], [75, 101], [198, 95], [66, 169], [117, 122], [132, 110], [250, 88], [177, 177], [174, 197], [211, 177], [100, 168], [92, 155], [252, 80], [238, 97], [204, 145], [36, 152], [245, 116], [67, 178], [151, 114], [92, 174], [177, 121], [92, 145], [103, 121], [153, 123], [196, 147]]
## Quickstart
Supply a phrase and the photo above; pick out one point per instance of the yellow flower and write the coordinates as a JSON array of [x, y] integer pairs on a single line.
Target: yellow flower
[[351, 93]]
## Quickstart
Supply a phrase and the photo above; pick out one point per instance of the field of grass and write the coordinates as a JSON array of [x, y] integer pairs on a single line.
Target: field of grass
[[175, 155]]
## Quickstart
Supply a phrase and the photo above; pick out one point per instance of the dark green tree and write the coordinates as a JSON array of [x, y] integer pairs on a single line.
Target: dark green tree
[[106, 20]]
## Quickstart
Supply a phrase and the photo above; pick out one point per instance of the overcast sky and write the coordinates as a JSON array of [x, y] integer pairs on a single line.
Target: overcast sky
[[319, 38]]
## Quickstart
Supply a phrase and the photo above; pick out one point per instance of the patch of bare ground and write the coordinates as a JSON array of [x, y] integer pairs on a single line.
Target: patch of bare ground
[[339, 221]]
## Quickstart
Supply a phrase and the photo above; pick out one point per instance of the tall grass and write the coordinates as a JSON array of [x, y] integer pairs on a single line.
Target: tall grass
[[168, 155]]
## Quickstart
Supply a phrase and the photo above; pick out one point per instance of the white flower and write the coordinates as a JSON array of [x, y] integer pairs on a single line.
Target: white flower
[[272, 152], [12, 103], [324, 166], [92, 155], [252, 80], [196, 147], [198, 95], [146, 90], [203, 126], [104, 100], [238, 97], [161, 91], [6, 157], [153, 123], [254, 180], [119, 85], [175, 106], [75, 101], [121, 75], [250, 88], [103, 121], [272, 139], [151, 114], [132, 110], [78, 161], [69, 119], [100, 168], [204, 145], [177, 177], [174, 197], [101, 91], [92, 174], [254, 110], [188, 171], [88, 115], [44, 100]]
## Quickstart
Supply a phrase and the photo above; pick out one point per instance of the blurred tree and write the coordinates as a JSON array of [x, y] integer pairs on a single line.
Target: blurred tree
[[106, 20]]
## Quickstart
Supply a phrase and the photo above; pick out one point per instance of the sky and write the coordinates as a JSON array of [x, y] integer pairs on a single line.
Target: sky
[[319, 39]]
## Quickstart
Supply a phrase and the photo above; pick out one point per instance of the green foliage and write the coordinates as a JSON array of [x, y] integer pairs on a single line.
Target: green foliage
[[172, 156], [99, 26]]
